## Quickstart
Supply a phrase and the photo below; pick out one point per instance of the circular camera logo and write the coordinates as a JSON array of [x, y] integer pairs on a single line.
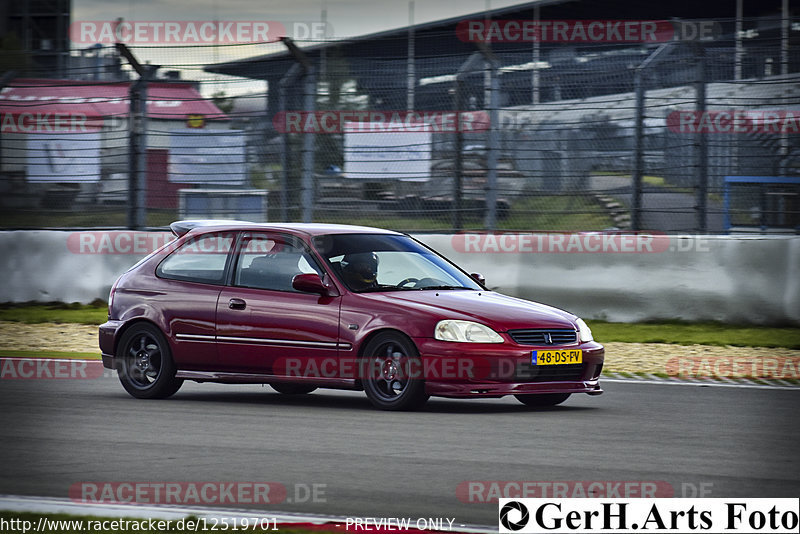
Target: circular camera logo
[[523, 515]]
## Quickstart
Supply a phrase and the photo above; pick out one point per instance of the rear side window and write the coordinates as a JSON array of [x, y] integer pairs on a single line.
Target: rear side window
[[199, 259]]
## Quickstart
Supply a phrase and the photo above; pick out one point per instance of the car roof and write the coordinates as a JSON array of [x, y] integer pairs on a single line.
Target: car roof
[[180, 228]]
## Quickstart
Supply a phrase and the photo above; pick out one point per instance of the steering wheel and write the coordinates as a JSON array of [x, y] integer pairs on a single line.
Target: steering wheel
[[407, 281]]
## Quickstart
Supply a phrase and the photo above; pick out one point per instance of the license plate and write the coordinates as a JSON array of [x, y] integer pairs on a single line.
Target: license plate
[[556, 357]]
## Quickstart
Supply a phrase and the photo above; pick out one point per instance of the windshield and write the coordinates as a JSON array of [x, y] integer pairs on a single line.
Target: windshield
[[377, 262]]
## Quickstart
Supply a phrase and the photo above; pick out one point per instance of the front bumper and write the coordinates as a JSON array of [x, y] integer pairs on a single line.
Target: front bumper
[[488, 370], [107, 334], [494, 389]]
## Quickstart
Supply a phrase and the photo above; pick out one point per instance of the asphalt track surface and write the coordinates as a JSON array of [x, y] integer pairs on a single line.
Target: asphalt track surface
[[732, 442], [667, 211]]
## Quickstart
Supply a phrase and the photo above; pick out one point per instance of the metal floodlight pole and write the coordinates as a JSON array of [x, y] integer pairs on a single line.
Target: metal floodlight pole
[[137, 140], [640, 88], [303, 68]]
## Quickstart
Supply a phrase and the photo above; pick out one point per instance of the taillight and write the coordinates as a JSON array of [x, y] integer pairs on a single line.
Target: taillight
[[111, 297]]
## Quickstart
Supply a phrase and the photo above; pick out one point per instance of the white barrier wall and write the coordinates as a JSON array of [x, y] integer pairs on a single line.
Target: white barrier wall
[[611, 277], [720, 278], [80, 266]]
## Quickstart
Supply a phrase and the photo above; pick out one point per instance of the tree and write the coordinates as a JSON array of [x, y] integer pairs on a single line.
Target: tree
[[222, 101], [13, 56]]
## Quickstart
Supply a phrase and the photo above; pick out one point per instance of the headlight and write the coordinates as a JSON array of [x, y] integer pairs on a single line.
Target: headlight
[[584, 332], [465, 332]]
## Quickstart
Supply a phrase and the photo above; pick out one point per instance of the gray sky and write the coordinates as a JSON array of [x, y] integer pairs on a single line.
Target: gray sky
[[347, 17]]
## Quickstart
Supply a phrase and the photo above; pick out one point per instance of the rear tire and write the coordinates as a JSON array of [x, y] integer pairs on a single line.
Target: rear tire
[[544, 399], [293, 389], [146, 369], [391, 369]]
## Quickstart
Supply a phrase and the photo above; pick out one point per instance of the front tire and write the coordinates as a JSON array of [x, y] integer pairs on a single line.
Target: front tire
[[391, 369], [146, 369], [543, 400]]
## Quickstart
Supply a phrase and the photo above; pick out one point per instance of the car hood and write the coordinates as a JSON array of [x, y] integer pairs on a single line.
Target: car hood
[[498, 311]]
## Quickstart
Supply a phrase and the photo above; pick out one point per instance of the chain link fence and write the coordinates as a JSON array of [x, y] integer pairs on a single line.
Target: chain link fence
[[412, 132]]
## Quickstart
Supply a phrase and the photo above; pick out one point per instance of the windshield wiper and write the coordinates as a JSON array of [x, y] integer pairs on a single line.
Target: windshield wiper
[[396, 288], [382, 288], [445, 287]]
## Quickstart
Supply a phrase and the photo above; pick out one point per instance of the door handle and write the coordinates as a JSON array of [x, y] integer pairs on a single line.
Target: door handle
[[237, 304]]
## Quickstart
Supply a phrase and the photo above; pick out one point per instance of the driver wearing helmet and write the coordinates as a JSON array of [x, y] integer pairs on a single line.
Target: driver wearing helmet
[[360, 270]]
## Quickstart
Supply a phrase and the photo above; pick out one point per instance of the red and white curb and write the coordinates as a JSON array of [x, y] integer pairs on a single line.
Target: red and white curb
[[724, 382]]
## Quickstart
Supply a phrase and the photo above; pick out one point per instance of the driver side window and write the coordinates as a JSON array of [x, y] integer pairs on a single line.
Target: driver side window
[[271, 262]]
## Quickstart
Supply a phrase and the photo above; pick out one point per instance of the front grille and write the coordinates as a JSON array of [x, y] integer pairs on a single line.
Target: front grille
[[539, 337], [549, 373]]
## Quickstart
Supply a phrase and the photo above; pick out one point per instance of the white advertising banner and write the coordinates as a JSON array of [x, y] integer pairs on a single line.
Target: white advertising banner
[[70, 158], [385, 151], [200, 156]]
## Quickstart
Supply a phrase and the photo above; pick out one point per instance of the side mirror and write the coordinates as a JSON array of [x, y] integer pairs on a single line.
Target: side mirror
[[312, 283], [478, 277]]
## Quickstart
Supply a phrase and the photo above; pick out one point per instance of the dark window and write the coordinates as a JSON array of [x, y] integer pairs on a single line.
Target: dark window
[[270, 261], [199, 259], [387, 262]]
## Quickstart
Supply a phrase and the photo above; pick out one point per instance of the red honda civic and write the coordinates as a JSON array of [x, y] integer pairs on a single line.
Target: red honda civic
[[304, 306]]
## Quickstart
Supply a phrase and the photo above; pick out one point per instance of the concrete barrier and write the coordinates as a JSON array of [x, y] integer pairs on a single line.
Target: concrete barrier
[[598, 276], [720, 278], [47, 266]]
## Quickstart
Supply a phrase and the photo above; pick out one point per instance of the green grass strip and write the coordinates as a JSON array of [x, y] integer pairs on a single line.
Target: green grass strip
[[705, 333], [674, 332], [53, 354], [57, 312]]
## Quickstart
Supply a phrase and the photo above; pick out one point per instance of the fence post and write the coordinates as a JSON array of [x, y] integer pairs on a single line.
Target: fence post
[[490, 61], [137, 140], [302, 69], [307, 181], [640, 88], [285, 146], [137, 155], [701, 143], [458, 164], [4, 81], [470, 66], [411, 73], [638, 151]]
